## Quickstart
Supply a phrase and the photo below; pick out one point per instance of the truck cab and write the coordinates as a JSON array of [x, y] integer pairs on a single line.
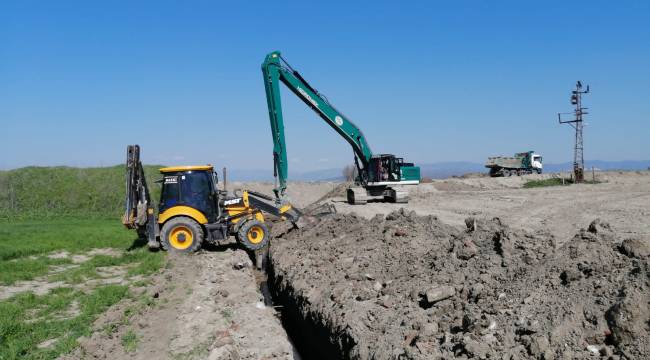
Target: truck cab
[[536, 162]]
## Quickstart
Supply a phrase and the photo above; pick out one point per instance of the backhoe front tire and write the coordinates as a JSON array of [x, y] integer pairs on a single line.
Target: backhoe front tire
[[253, 235], [182, 235]]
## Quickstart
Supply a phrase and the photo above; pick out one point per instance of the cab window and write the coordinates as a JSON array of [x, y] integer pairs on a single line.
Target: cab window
[[170, 192], [196, 190]]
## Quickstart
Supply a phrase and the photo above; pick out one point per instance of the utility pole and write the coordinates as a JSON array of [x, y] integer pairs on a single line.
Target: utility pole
[[576, 123]]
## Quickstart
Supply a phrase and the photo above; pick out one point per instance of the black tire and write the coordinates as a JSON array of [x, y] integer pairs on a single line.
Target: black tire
[[253, 235], [182, 235]]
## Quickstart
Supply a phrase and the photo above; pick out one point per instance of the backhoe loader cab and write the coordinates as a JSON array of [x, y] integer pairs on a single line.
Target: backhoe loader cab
[[192, 186], [192, 209]]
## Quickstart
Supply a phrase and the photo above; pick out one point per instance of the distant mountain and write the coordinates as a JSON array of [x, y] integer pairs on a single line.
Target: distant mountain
[[443, 170], [439, 170], [267, 175], [601, 165]]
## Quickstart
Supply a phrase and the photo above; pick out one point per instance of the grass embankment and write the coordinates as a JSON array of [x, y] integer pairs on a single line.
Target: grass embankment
[[55, 192], [51, 219]]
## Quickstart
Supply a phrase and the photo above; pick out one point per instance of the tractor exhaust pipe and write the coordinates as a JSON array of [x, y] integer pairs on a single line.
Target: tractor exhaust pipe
[[225, 180]]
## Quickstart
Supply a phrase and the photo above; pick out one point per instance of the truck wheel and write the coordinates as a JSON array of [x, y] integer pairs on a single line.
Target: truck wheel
[[506, 173], [253, 235], [181, 234]]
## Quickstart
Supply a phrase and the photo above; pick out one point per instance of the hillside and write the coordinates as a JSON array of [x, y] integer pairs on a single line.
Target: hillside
[[47, 192]]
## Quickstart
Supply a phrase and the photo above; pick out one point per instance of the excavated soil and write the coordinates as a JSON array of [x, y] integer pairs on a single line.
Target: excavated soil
[[404, 286]]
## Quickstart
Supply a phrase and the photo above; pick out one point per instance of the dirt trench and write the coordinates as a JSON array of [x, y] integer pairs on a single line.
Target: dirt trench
[[396, 286], [404, 286]]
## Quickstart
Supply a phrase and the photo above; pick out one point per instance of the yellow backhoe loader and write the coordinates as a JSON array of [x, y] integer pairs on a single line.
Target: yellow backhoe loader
[[192, 210]]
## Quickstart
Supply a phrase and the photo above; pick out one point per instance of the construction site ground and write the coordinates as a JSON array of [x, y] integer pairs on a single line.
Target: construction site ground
[[470, 268]]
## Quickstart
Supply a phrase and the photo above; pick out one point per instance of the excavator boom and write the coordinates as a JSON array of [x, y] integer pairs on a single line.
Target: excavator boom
[[276, 70]]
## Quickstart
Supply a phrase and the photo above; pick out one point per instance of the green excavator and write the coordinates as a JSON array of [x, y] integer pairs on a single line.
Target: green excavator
[[379, 176]]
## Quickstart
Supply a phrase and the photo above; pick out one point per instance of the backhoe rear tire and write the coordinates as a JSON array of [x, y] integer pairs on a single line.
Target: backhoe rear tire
[[181, 235], [253, 235]]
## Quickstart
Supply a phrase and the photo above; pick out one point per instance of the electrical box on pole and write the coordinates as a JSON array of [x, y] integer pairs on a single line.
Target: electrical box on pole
[[576, 123]]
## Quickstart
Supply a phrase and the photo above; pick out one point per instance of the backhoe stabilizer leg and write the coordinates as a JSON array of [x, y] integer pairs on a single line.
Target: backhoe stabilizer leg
[[152, 227]]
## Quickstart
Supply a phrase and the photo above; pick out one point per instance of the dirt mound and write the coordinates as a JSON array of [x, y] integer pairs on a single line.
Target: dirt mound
[[412, 287]]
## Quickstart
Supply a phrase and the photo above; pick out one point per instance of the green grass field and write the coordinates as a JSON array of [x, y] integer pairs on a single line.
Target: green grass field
[[26, 319], [50, 218]]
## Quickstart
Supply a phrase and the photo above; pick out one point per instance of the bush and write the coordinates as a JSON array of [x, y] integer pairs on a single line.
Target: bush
[[548, 182]]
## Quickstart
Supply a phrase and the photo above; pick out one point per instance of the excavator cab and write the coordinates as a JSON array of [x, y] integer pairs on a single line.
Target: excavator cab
[[386, 168]]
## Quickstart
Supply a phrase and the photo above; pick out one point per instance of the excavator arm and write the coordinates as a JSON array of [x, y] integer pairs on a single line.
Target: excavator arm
[[276, 70]]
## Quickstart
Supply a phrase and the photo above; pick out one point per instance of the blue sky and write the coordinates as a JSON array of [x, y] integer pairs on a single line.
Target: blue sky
[[430, 81]]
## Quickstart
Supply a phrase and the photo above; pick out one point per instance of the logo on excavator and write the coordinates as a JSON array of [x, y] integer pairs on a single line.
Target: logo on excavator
[[232, 201], [338, 120], [309, 98]]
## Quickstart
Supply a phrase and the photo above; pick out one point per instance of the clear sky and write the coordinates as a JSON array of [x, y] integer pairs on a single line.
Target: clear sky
[[431, 81]]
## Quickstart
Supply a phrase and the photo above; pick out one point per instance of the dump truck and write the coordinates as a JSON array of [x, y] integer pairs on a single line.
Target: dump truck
[[521, 164]]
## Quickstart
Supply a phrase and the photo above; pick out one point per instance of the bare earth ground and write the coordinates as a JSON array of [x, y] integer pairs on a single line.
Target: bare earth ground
[[208, 306], [490, 271], [622, 200], [204, 306]]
